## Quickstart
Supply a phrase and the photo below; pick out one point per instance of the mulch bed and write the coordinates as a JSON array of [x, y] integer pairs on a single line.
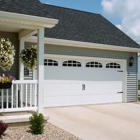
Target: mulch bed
[[51, 132]]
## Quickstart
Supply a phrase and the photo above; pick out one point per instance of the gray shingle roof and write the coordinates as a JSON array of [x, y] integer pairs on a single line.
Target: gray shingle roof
[[28, 7], [87, 27], [73, 24]]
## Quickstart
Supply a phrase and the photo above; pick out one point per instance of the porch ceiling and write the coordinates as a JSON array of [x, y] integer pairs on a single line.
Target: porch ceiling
[[25, 25], [5, 28]]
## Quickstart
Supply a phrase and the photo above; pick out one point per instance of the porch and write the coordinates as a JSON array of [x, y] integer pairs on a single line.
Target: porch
[[19, 102], [24, 95]]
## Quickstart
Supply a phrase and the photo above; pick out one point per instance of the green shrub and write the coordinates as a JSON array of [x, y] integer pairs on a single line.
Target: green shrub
[[3, 127], [37, 123]]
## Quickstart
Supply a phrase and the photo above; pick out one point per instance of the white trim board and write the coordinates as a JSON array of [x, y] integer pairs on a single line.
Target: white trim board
[[14, 18], [82, 57], [124, 62], [70, 43]]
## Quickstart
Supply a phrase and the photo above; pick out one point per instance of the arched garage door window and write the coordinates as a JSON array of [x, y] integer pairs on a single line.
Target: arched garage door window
[[50, 62], [71, 63], [94, 64], [113, 65]]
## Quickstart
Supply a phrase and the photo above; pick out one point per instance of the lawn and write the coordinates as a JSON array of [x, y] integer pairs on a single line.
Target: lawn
[[138, 84], [139, 98]]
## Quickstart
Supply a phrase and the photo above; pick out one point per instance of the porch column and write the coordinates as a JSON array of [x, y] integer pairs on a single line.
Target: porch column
[[21, 66], [40, 71]]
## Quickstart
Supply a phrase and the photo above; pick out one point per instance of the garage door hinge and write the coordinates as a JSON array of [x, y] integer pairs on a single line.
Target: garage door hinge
[[120, 71]]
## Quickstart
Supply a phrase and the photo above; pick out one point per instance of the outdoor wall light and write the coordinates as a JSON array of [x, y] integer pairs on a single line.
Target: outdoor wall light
[[131, 60]]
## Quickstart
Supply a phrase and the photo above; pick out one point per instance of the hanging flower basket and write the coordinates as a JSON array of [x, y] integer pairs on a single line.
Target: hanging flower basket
[[6, 81], [7, 53], [5, 85], [29, 57]]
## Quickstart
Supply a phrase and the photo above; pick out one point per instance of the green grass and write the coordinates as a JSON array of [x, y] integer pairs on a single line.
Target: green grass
[[139, 98], [138, 84], [138, 87]]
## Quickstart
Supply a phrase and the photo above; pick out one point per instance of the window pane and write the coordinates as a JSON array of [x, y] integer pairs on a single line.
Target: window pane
[[55, 64]]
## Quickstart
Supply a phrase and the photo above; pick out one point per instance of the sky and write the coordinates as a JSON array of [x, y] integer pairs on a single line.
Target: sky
[[124, 14]]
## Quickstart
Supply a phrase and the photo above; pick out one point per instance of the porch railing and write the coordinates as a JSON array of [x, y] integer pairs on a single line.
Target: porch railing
[[21, 97]]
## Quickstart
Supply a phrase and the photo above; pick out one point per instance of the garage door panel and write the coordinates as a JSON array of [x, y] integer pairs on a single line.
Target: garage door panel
[[91, 74], [66, 100], [98, 92], [66, 74], [51, 101], [98, 86], [70, 73], [77, 100], [108, 86], [51, 93], [77, 86], [89, 86], [53, 87], [98, 99], [65, 93], [117, 97], [113, 75], [77, 93], [89, 93], [108, 98], [88, 99], [45, 87], [66, 86], [117, 86], [51, 73]]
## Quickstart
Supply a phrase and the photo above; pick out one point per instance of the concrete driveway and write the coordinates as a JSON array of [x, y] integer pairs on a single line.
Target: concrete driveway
[[99, 122]]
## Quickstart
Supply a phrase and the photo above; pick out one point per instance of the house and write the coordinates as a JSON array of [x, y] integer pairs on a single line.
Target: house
[[82, 57]]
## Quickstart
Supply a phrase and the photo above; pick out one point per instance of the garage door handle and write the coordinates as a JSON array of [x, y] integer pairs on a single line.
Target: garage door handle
[[83, 87], [119, 92]]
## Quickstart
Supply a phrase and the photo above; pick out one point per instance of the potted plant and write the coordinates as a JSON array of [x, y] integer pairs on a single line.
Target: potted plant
[[28, 57], [7, 53], [6, 81]]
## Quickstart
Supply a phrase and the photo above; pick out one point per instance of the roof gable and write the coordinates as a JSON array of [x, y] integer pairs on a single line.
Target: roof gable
[[86, 27]]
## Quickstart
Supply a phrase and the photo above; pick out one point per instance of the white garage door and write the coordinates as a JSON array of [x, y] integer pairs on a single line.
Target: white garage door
[[79, 82]]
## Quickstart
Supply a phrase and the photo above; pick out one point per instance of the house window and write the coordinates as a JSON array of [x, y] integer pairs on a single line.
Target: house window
[[71, 63], [50, 62], [26, 72], [94, 65], [113, 65]]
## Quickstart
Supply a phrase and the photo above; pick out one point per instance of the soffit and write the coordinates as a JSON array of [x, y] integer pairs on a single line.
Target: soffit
[[5, 28]]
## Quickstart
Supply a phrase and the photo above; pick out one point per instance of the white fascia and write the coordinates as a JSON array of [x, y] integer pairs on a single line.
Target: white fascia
[[62, 42], [28, 19]]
